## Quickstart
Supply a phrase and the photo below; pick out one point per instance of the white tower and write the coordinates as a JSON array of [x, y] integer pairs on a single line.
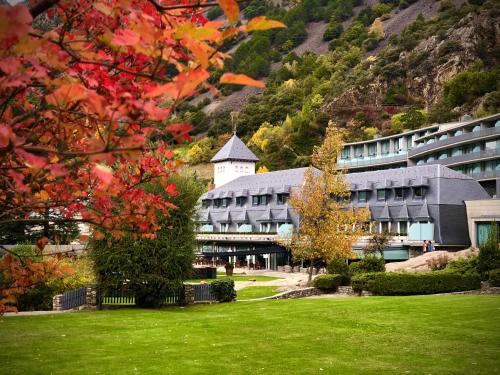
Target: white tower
[[233, 160]]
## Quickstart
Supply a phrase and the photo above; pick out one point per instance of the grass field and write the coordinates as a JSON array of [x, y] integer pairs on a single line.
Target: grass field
[[251, 292], [447, 334], [237, 278]]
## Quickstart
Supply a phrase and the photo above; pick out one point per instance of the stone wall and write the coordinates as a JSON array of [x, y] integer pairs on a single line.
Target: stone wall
[[297, 293]]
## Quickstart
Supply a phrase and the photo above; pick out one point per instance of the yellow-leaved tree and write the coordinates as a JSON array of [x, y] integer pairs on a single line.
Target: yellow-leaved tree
[[328, 224]]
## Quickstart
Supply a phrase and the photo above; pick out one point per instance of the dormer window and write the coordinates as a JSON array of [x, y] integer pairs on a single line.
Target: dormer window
[[240, 201], [217, 203], [362, 196], [418, 192], [225, 202], [381, 195], [259, 200], [398, 194], [205, 203], [282, 198]]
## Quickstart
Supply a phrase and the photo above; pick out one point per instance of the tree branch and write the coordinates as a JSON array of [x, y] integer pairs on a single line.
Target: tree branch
[[41, 7]]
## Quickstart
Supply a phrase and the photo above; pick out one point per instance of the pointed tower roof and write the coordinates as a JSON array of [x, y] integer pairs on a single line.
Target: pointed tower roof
[[234, 149]]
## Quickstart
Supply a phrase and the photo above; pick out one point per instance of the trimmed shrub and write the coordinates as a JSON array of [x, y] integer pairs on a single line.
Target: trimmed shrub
[[495, 277], [224, 290], [464, 265], [489, 252], [328, 282], [340, 267], [403, 284], [370, 263]]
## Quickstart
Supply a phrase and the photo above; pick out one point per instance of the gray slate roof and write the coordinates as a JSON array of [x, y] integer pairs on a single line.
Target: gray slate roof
[[234, 149]]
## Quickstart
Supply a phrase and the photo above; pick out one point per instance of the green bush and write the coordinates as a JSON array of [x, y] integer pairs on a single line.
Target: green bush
[[402, 284], [370, 263], [495, 277], [328, 283], [489, 252], [223, 290], [340, 267], [464, 265]]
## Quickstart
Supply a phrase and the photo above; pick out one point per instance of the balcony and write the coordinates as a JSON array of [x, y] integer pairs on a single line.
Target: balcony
[[255, 237], [467, 158], [453, 141], [373, 160]]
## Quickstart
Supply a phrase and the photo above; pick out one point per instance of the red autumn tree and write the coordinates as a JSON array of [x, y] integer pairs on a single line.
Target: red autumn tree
[[87, 94]]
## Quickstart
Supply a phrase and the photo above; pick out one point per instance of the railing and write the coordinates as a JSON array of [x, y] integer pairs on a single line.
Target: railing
[[466, 158], [120, 297], [203, 293], [73, 298], [368, 161], [451, 141], [238, 237]]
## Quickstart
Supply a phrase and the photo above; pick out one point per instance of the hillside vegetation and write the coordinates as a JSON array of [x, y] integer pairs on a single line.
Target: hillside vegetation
[[434, 70]]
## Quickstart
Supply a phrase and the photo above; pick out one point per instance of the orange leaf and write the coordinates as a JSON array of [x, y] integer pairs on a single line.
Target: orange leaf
[[262, 23], [104, 173], [70, 92], [240, 79], [231, 9]]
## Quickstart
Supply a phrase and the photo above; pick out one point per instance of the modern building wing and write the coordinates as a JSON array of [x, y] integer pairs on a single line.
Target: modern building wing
[[471, 146]]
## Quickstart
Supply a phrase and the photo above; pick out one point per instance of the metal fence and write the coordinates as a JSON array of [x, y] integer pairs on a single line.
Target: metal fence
[[203, 293], [73, 298], [119, 297]]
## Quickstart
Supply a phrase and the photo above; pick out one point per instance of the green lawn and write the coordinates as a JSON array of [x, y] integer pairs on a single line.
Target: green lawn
[[448, 334], [251, 292], [237, 278]]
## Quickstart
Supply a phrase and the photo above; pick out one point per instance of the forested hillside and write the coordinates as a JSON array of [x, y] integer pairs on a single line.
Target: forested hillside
[[390, 66]]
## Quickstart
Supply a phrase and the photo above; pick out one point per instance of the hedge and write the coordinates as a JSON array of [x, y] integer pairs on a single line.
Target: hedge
[[328, 282], [495, 277], [402, 283], [223, 290]]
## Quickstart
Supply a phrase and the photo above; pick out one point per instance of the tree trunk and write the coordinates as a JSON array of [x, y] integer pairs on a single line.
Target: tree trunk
[[309, 280]]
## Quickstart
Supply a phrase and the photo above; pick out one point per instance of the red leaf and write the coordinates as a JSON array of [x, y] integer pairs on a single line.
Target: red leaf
[[31, 160], [171, 190], [125, 38], [240, 79], [104, 173], [231, 10]]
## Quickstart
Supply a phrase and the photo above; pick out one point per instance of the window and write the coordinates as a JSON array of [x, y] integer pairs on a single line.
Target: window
[[358, 151], [282, 198], [398, 144], [381, 195], [240, 201], [457, 151], [476, 128], [205, 203], [345, 153], [265, 227], [403, 228], [418, 192], [443, 137], [398, 194], [260, 200], [385, 147], [458, 132], [361, 196], [492, 145], [372, 149], [225, 202], [255, 200], [384, 226], [217, 203], [224, 227], [443, 155]]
